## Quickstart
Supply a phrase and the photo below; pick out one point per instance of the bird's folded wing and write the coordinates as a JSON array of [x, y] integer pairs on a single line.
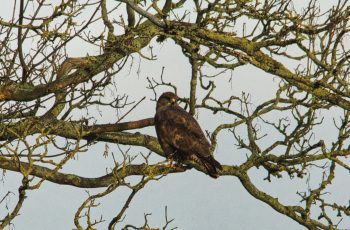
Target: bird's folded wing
[[183, 132]]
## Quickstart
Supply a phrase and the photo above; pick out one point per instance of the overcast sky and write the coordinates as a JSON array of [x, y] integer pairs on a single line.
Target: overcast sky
[[193, 199]]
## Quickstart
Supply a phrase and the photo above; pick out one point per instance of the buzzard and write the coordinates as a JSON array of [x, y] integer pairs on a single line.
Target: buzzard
[[180, 136]]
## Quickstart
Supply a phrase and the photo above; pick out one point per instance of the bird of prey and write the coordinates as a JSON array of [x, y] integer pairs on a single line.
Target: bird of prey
[[180, 135]]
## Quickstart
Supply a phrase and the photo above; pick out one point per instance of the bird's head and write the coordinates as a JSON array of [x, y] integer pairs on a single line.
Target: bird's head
[[166, 99]]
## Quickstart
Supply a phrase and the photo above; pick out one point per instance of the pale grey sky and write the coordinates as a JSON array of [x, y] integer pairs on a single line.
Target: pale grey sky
[[194, 200]]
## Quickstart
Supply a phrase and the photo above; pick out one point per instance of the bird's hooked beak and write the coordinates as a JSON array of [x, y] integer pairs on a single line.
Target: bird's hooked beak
[[173, 101]]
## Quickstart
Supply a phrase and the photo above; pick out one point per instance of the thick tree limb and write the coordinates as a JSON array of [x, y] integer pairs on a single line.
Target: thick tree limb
[[85, 67], [257, 58], [84, 182]]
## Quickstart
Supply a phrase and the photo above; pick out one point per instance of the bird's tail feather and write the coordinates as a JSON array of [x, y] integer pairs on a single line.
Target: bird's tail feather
[[212, 166]]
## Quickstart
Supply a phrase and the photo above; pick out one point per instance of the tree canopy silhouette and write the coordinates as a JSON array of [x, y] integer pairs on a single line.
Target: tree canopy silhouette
[[51, 98]]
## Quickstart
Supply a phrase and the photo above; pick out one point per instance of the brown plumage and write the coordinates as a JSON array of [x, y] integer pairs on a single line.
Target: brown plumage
[[180, 136]]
